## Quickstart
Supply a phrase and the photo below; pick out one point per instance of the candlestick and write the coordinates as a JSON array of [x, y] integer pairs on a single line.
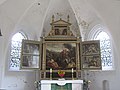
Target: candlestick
[[50, 73], [72, 70], [72, 74], [50, 70]]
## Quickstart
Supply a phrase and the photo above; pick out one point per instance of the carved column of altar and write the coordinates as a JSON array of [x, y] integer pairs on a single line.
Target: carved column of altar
[[61, 84]]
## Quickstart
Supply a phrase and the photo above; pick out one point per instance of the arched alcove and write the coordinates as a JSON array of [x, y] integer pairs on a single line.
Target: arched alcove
[[105, 85]]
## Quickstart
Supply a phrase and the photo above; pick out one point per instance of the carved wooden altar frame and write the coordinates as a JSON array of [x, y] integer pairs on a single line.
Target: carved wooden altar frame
[[60, 51], [53, 54]]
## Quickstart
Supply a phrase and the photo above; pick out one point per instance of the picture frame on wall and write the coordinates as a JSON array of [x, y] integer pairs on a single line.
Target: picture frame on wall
[[30, 54]]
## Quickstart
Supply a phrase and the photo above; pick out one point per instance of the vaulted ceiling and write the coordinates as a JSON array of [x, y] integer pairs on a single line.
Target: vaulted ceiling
[[35, 15]]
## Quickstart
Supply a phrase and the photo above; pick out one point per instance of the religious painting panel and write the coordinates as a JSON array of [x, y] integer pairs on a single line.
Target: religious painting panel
[[91, 56], [30, 55], [90, 47], [91, 62], [60, 55], [60, 30], [56, 76]]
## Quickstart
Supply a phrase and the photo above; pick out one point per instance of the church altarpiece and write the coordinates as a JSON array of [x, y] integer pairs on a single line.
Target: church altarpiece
[[61, 54]]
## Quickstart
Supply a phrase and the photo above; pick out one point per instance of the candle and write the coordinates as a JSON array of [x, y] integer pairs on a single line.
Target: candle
[[50, 73], [50, 70], [72, 70]]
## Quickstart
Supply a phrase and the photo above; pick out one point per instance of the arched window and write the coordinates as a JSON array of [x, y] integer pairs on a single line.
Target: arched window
[[16, 43], [105, 45]]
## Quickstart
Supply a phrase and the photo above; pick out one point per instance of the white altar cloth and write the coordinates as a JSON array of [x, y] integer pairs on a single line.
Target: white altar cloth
[[76, 84]]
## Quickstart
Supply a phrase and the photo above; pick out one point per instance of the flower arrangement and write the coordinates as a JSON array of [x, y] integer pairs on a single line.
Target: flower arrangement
[[61, 73]]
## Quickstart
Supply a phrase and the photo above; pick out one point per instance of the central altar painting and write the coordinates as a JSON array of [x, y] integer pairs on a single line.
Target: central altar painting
[[61, 55]]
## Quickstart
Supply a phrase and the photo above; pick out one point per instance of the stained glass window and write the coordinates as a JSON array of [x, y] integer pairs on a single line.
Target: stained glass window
[[16, 43], [105, 45]]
